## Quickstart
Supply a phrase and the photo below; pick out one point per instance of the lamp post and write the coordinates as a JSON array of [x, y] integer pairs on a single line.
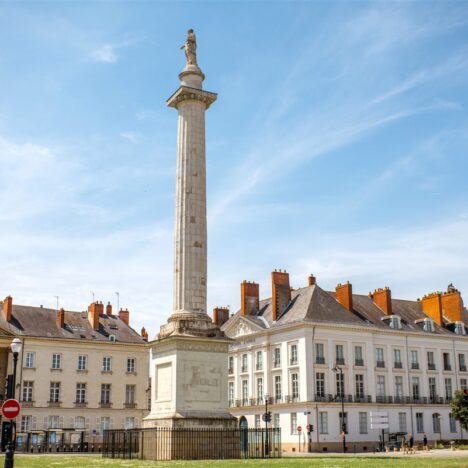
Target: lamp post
[[267, 448], [439, 417], [343, 426], [15, 346]]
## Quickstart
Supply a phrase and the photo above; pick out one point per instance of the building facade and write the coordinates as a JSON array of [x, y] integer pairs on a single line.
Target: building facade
[[83, 371], [304, 351]]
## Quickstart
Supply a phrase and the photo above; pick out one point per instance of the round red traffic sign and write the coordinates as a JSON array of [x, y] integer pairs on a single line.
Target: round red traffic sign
[[299, 428], [11, 408]]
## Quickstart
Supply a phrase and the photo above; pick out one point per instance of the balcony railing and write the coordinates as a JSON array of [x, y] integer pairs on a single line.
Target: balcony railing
[[291, 398], [105, 404], [230, 371], [54, 404], [462, 368], [244, 369], [431, 366], [362, 399], [381, 364], [340, 361], [320, 360], [398, 365], [447, 367], [293, 361], [359, 362], [259, 366], [81, 404], [415, 365], [277, 363]]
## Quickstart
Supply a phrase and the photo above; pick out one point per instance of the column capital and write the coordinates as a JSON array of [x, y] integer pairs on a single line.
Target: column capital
[[186, 93]]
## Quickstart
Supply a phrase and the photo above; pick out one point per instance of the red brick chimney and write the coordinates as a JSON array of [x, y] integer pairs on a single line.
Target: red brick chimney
[[250, 298], [124, 315], [432, 307], [144, 334], [312, 280], [60, 318], [95, 309], [8, 308], [452, 304], [280, 293], [109, 309], [382, 298], [344, 295], [220, 315]]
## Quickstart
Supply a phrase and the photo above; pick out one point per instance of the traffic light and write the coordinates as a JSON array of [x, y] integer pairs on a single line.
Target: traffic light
[[6, 434], [465, 395], [9, 386]]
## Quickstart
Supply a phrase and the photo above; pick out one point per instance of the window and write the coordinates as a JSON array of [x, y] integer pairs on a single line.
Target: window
[[462, 362], [459, 328], [56, 361], [54, 393], [415, 387], [53, 422], [259, 360], [399, 386], [277, 357], [80, 422], [339, 349], [358, 360], [432, 388], [397, 364], [320, 384], [323, 422], [430, 360], [419, 423], [293, 359], [276, 420], [105, 394], [129, 422], [395, 322], [26, 423], [340, 390], [244, 367], [319, 354], [446, 358], [131, 365], [463, 384], [80, 393], [231, 365], [295, 386], [82, 362], [245, 391], [381, 386], [452, 423], [130, 394], [105, 424], [362, 423], [293, 423], [414, 359], [278, 393], [448, 388], [379, 357], [257, 420], [402, 422], [436, 423], [343, 418], [231, 392], [28, 387], [106, 364], [359, 386], [428, 325], [260, 388], [30, 360]]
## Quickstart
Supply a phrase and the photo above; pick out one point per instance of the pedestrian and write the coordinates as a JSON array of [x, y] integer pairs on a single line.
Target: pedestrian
[[411, 443], [426, 447], [403, 445]]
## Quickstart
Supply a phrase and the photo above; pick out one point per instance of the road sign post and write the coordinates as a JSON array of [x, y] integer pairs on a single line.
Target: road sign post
[[299, 430]]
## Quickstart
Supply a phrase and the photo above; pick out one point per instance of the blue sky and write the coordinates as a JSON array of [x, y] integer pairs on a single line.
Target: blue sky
[[338, 146]]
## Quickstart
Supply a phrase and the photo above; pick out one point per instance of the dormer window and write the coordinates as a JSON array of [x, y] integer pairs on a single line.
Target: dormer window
[[428, 325], [459, 328], [395, 322]]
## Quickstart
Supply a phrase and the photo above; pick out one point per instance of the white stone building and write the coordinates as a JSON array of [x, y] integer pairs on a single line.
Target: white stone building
[[402, 357]]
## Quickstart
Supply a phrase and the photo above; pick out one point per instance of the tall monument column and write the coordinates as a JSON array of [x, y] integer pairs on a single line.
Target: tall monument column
[[189, 356]]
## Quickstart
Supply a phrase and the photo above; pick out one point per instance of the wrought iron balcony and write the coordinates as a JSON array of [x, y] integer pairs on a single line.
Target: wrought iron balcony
[[362, 398], [293, 361], [462, 368], [431, 366], [259, 366], [319, 360], [340, 361], [398, 365], [447, 367], [359, 362], [415, 365], [277, 363], [381, 364], [244, 369]]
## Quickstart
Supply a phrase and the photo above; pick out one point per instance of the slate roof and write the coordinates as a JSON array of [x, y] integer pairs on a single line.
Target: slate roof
[[313, 304], [41, 322]]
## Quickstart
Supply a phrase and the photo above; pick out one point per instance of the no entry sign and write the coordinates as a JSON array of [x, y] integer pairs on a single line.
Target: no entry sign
[[11, 408], [299, 429]]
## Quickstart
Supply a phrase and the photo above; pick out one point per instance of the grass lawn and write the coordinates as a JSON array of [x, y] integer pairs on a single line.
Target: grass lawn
[[88, 462]]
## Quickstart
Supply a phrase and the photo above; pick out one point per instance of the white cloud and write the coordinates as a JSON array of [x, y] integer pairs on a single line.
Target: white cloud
[[105, 53], [132, 137]]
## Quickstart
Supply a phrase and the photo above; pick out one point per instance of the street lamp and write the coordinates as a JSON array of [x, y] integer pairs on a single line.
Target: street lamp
[[15, 346], [266, 417], [343, 426]]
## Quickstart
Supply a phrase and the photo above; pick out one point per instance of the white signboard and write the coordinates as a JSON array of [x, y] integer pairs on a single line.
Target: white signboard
[[379, 425], [378, 414]]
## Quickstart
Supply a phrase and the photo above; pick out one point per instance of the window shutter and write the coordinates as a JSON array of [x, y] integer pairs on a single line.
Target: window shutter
[[87, 423], [61, 422], [34, 423]]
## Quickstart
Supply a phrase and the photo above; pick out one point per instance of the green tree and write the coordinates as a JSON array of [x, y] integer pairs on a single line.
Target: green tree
[[460, 408]]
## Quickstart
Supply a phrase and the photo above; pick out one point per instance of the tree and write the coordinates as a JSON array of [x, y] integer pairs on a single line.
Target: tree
[[460, 407]]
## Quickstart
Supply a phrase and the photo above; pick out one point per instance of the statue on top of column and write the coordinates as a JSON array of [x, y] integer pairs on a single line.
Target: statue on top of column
[[190, 48]]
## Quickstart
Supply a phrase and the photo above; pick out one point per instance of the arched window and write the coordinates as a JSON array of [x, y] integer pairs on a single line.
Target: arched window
[[436, 423]]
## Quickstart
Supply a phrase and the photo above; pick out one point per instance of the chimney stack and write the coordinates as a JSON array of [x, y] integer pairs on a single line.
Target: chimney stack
[[124, 315], [280, 293], [61, 318], [8, 308], [95, 309], [220, 315], [452, 304], [382, 298], [432, 307], [109, 309], [250, 298], [344, 295], [144, 334], [312, 280]]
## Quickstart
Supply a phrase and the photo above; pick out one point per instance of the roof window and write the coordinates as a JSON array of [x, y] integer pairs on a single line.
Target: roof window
[[428, 325], [459, 328]]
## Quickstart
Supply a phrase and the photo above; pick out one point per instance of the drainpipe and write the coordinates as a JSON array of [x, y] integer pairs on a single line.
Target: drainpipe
[[456, 382], [409, 383]]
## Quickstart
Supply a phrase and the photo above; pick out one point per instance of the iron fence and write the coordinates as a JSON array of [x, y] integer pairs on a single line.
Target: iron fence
[[192, 443]]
